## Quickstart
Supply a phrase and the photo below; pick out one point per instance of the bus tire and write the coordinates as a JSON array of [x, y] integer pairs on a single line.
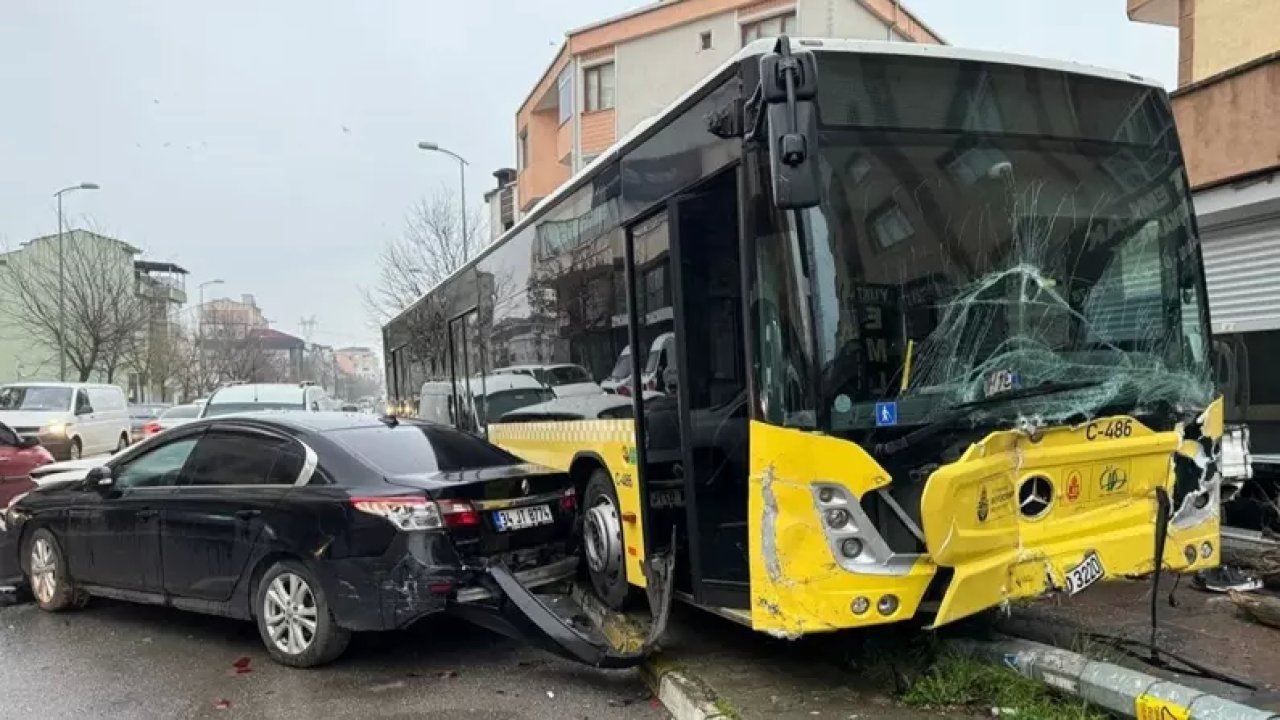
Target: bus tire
[[602, 545]]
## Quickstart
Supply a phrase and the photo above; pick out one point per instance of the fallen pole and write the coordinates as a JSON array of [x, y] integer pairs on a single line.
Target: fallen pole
[[1111, 687]]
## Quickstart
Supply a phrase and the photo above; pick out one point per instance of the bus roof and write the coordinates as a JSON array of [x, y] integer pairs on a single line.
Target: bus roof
[[760, 47]]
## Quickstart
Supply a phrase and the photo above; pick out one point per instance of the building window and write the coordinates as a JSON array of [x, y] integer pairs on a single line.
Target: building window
[[566, 94], [522, 155], [599, 82], [704, 40], [769, 27]]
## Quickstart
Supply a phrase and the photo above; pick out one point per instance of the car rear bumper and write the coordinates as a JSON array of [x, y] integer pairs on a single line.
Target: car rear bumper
[[421, 574]]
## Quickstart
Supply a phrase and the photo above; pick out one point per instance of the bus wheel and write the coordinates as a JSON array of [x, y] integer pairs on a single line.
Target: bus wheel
[[602, 541]]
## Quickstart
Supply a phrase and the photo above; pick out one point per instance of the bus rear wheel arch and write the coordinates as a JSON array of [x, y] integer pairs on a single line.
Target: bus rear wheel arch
[[603, 549]]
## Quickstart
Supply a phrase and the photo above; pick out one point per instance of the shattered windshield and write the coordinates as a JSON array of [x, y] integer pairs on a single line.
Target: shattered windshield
[[987, 229]]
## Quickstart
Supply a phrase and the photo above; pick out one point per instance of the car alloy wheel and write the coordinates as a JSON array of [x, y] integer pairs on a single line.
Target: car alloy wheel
[[289, 609], [44, 571], [74, 452]]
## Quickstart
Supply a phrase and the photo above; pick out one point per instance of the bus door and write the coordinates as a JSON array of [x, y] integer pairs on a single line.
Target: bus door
[[468, 376], [710, 386], [683, 265]]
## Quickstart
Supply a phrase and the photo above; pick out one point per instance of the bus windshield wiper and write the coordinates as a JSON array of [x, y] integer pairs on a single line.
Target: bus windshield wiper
[[960, 411]]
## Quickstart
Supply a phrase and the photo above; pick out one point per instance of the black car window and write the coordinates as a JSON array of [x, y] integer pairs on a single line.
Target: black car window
[[157, 467], [233, 458], [83, 406], [410, 449]]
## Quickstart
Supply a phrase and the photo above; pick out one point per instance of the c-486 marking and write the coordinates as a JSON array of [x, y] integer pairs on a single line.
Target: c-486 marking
[[1110, 430]]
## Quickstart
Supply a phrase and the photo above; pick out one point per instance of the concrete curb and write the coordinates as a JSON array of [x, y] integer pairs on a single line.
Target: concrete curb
[[1118, 689], [684, 697]]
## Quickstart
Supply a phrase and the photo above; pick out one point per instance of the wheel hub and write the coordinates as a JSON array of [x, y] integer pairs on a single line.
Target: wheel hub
[[602, 533], [44, 576]]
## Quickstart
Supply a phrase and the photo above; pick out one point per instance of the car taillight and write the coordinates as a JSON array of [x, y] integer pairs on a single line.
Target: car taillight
[[406, 512], [569, 501], [459, 513], [151, 428]]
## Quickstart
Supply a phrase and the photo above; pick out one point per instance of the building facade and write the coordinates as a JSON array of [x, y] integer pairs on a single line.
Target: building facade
[[119, 313], [1227, 107], [610, 76]]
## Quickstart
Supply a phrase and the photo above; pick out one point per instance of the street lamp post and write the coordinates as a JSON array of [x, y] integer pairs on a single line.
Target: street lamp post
[[200, 334], [62, 283], [462, 181]]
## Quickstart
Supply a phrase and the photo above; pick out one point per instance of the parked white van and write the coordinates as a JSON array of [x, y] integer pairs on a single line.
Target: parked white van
[[71, 419]]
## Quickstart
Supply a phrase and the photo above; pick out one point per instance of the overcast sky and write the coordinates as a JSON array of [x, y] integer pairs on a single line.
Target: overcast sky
[[272, 144]]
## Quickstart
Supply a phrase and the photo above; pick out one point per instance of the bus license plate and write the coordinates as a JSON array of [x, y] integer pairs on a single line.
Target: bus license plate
[[520, 518], [1088, 572]]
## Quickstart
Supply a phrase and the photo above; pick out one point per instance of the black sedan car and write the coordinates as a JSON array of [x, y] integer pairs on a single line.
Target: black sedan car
[[313, 525]]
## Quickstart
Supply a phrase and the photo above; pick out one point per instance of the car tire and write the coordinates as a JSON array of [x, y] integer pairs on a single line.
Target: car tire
[[75, 451], [294, 619], [46, 566], [602, 546], [122, 443]]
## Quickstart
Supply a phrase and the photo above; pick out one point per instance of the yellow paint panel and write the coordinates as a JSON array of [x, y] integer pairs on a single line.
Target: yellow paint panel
[[556, 444], [796, 585], [1149, 707], [1103, 478]]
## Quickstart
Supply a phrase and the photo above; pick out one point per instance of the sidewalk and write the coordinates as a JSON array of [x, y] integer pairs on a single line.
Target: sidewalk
[[1204, 627]]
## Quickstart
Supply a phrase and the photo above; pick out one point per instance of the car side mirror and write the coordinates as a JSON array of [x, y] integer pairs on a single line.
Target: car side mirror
[[99, 478], [28, 441]]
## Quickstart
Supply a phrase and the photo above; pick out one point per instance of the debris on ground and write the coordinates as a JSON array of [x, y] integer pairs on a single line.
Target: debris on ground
[[223, 704], [551, 695], [241, 666], [1263, 608], [447, 674], [1227, 578], [383, 687]]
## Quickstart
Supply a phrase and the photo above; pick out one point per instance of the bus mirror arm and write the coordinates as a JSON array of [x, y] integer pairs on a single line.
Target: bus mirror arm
[[788, 89]]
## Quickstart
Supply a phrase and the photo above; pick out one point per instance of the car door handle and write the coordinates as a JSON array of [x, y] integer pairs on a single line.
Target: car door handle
[[147, 514], [247, 514]]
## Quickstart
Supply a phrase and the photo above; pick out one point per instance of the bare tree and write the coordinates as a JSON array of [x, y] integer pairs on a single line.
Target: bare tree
[[101, 307], [164, 355], [429, 249], [232, 350]]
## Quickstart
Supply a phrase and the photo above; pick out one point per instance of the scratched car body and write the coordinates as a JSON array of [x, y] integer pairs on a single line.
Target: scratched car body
[[313, 525]]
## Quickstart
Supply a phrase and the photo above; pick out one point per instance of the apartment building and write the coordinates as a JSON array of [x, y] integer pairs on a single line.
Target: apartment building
[[1227, 107], [119, 310], [609, 76]]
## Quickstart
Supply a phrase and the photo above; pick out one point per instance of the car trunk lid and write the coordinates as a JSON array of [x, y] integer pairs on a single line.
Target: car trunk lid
[[523, 514]]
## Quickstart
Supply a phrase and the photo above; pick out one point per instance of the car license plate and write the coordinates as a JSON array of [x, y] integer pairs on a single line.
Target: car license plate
[[520, 518], [1088, 572]]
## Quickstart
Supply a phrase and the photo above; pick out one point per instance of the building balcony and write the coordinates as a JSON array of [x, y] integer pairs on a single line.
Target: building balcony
[[1157, 12], [1227, 123]]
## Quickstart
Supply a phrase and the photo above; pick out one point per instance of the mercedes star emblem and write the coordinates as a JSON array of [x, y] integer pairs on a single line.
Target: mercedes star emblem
[[1035, 495], [524, 486]]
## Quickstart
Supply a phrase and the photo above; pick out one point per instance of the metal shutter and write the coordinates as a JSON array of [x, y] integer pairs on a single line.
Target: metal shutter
[[1242, 269]]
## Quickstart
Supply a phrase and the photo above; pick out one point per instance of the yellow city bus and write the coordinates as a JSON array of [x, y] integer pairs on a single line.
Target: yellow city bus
[[879, 331]]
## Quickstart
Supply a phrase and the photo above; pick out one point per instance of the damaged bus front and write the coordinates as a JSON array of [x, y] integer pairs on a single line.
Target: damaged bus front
[[983, 352]]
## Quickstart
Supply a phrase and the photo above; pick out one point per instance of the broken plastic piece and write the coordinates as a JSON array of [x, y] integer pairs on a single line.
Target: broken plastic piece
[[1227, 578]]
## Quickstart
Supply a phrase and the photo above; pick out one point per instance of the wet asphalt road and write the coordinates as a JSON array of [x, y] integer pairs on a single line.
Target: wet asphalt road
[[128, 661]]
